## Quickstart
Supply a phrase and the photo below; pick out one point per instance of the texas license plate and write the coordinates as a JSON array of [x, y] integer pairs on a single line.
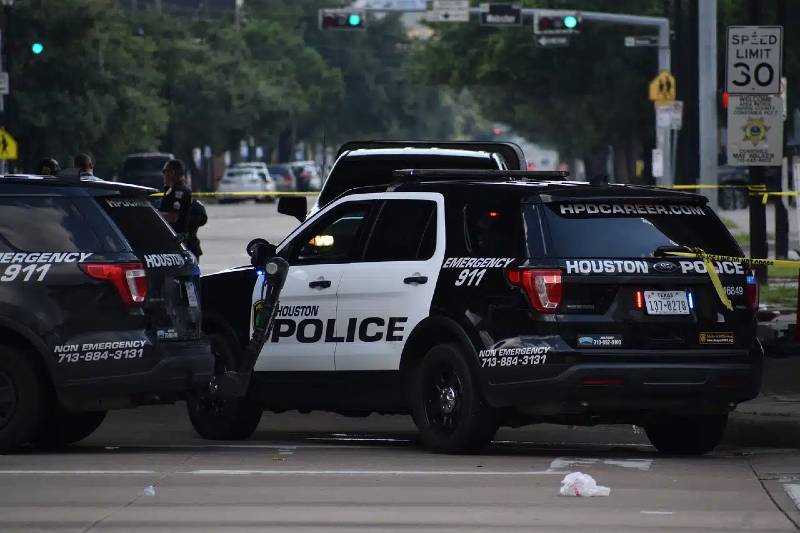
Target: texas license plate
[[191, 294], [666, 302]]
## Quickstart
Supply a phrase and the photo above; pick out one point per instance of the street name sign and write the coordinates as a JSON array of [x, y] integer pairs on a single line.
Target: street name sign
[[397, 5], [500, 15], [754, 59], [552, 41], [449, 11], [755, 130], [637, 41]]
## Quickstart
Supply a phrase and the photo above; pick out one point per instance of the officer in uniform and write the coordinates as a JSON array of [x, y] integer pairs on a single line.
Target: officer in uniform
[[177, 200]]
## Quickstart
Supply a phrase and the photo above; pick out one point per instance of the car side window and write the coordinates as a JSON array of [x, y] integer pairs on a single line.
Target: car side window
[[405, 230], [493, 229], [44, 223], [336, 238]]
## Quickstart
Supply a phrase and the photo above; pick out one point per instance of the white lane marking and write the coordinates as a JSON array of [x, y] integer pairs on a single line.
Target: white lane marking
[[658, 512], [75, 472], [793, 490], [365, 473], [562, 464], [639, 464]]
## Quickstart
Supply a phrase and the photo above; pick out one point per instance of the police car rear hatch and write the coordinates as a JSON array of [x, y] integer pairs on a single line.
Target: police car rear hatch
[[172, 300], [615, 285]]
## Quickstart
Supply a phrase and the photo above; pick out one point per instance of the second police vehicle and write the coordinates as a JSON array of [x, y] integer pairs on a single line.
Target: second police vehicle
[[474, 299]]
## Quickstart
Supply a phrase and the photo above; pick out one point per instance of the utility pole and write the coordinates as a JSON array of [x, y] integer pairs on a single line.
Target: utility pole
[[707, 96]]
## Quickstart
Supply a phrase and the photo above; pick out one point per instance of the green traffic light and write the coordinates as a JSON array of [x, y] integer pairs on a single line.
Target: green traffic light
[[354, 19], [570, 22], [37, 48]]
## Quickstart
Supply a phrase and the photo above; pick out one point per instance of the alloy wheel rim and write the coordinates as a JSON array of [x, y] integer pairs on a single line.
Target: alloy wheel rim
[[443, 400]]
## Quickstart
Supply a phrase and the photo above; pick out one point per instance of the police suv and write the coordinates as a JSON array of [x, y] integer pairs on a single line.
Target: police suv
[[473, 299], [97, 308]]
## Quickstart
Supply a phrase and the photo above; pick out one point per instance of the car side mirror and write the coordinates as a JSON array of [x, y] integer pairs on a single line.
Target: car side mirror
[[260, 252], [296, 206]]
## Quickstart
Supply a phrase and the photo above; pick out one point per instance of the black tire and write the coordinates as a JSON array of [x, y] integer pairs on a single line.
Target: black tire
[[63, 427], [22, 399], [216, 419], [447, 406], [687, 435]]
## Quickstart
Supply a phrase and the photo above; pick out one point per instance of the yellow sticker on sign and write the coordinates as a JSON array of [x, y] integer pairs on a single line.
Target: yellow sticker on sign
[[8, 146]]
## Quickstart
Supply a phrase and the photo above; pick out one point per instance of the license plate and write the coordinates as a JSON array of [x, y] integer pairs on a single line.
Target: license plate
[[191, 294], [666, 302]]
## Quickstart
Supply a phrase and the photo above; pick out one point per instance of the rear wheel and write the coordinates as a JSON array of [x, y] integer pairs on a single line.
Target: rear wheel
[[21, 398], [448, 409], [687, 435], [218, 419], [62, 427]]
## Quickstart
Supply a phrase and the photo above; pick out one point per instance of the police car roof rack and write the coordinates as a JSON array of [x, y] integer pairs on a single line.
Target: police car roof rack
[[434, 174]]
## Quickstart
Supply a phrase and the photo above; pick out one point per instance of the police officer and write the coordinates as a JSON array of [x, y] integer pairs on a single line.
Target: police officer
[[85, 166], [49, 167], [177, 200]]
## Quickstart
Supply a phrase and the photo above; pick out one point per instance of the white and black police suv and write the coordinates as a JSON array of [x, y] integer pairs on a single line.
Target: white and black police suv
[[473, 299], [97, 308]]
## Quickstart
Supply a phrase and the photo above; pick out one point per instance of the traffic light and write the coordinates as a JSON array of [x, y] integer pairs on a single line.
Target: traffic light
[[342, 19], [37, 48], [546, 21]]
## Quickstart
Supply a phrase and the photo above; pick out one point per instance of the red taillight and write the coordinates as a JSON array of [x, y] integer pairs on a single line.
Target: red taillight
[[130, 279], [638, 300], [752, 291], [543, 286]]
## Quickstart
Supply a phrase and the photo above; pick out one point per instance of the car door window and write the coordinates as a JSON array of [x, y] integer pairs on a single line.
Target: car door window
[[336, 238], [405, 230]]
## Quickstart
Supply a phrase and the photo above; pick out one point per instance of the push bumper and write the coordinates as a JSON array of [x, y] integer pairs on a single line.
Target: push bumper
[[183, 366]]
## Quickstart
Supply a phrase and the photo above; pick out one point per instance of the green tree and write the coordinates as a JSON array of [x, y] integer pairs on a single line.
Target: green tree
[[93, 89], [581, 98]]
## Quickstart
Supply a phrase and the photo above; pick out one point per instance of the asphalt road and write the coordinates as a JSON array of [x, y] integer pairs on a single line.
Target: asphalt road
[[145, 470]]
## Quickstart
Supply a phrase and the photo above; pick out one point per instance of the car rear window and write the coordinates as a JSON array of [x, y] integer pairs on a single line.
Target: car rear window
[[141, 225], [632, 229], [47, 224], [352, 172]]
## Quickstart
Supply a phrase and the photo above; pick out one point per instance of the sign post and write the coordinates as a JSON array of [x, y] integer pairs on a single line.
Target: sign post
[[755, 110], [662, 92]]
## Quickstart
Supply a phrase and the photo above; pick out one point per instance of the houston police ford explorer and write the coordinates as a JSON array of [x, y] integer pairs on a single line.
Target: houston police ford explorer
[[475, 299], [97, 308]]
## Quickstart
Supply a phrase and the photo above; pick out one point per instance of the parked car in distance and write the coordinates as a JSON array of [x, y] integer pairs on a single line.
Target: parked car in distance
[[246, 180], [144, 169], [285, 178], [730, 198], [309, 175]]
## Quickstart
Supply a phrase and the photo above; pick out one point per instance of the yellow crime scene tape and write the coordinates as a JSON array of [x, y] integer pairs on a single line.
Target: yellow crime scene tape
[[698, 253], [242, 193]]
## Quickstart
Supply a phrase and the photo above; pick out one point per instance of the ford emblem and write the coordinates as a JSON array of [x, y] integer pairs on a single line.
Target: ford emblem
[[665, 266]]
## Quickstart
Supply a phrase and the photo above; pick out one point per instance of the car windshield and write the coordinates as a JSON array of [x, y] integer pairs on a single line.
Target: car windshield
[[144, 165]]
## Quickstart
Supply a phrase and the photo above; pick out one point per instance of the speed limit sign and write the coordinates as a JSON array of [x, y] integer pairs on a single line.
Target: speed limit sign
[[754, 59]]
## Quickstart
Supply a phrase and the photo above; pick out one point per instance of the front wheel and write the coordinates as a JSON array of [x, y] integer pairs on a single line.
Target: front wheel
[[687, 435], [22, 399], [447, 406], [223, 419]]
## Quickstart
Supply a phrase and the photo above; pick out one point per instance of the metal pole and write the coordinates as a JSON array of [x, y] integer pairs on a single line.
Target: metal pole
[[707, 96]]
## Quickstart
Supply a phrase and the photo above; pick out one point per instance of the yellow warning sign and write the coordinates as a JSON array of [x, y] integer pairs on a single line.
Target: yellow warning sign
[[662, 88], [8, 146]]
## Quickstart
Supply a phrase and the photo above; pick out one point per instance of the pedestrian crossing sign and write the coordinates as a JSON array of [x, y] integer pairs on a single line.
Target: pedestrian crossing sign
[[662, 88], [8, 146]]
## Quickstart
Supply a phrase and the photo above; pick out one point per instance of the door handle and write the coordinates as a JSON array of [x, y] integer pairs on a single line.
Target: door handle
[[320, 284], [416, 279]]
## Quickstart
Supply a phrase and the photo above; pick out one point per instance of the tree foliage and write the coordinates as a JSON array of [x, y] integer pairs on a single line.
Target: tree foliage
[[580, 98]]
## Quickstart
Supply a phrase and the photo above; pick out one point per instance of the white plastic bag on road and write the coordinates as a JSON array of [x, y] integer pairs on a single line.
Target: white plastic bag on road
[[580, 484]]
